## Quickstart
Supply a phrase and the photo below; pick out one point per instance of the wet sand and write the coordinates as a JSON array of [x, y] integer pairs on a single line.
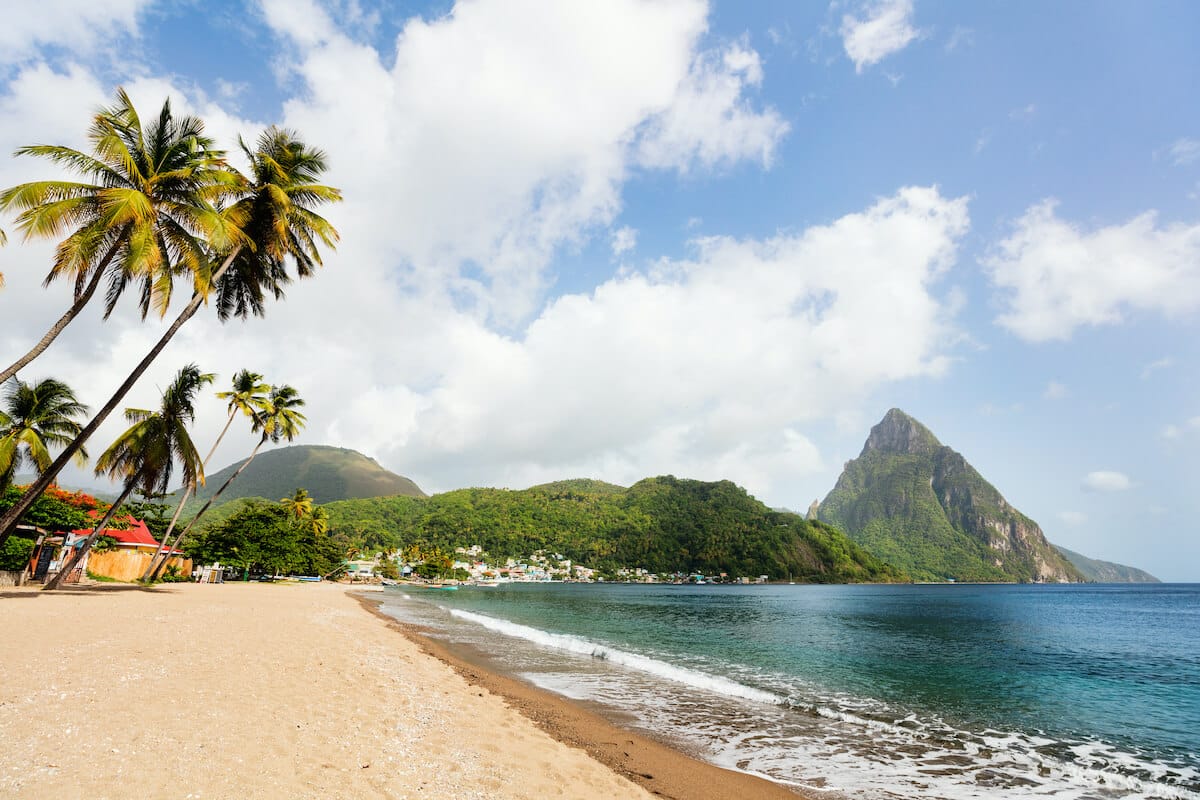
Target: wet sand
[[259, 690]]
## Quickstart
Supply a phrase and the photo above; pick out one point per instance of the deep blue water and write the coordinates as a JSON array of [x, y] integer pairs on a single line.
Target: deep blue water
[[874, 691]]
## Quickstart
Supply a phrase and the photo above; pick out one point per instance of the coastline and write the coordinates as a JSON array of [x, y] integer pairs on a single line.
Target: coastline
[[659, 768], [254, 690]]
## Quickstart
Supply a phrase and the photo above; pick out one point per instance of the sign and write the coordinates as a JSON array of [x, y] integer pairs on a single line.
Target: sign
[[45, 556]]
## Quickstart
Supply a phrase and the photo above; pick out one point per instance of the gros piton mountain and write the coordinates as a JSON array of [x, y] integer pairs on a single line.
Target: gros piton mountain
[[916, 503]]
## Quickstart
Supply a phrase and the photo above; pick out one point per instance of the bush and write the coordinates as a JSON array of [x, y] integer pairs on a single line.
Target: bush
[[15, 554]]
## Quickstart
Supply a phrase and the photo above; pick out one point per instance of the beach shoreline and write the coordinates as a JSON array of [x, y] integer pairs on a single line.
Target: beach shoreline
[[658, 767], [258, 690]]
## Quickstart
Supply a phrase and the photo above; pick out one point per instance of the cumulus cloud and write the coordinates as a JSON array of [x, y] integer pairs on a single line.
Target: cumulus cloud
[[885, 27], [504, 131], [1055, 276], [486, 142], [708, 122], [623, 240], [1106, 481], [78, 26], [707, 367]]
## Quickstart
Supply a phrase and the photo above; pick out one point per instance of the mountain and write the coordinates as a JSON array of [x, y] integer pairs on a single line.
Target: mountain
[[1106, 571], [915, 503], [328, 473], [580, 485], [663, 525]]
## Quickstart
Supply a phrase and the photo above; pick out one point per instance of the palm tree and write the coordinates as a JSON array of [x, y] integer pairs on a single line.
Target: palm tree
[[279, 419], [246, 396], [299, 505], [34, 418], [145, 454], [279, 224], [136, 217]]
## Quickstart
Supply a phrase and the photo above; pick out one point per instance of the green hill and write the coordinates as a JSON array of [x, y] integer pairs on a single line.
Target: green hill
[[664, 525], [1098, 571], [580, 485], [328, 473], [919, 505]]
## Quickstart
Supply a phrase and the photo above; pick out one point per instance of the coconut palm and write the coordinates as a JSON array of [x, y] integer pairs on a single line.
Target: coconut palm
[[144, 456], [279, 419], [279, 224], [138, 216], [34, 418], [248, 396], [299, 505]]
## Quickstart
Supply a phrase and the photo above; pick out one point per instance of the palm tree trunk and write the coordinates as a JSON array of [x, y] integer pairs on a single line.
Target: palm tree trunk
[[8, 522], [187, 492], [57, 580], [212, 500], [65, 319]]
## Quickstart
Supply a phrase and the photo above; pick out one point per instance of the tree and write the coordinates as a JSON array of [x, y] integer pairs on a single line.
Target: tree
[[278, 419], [299, 505], [145, 454], [34, 418], [265, 537], [273, 222], [246, 397], [136, 217]]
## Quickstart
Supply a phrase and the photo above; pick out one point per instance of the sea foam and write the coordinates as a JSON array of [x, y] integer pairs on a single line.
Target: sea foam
[[612, 655]]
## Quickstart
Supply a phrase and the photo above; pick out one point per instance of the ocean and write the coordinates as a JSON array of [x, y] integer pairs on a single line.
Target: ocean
[[942, 691]]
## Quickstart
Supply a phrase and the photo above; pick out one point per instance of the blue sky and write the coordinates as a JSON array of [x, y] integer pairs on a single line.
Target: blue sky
[[632, 238]]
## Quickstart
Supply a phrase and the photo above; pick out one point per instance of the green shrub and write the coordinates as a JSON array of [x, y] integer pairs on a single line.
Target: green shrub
[[15, 554]]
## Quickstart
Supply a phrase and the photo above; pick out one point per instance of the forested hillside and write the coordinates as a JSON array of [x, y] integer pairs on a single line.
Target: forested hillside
[[660, 524]]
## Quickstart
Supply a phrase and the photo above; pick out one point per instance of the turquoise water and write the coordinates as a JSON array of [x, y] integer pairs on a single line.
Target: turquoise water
[[871, 691]]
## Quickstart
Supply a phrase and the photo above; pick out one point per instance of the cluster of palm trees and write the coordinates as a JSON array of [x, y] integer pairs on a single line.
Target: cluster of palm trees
[[157, 203]]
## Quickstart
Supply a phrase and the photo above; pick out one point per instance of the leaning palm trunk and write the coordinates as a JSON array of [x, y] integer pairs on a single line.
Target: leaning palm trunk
[[64, 320], [207, 505], [57, 580], [10, 518], [187, 492]]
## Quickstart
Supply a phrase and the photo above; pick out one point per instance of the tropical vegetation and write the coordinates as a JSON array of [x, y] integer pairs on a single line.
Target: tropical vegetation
[[229, 234], [663, 525], [33, 418], [145, 455]]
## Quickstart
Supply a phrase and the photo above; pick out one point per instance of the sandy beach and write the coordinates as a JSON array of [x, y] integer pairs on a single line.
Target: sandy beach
[[252, 690]]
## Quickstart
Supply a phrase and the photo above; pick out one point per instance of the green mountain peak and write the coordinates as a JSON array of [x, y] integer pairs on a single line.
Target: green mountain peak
[[919, 505]]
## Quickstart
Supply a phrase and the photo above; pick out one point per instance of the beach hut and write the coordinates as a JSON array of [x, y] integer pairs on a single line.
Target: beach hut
[[131, 554]]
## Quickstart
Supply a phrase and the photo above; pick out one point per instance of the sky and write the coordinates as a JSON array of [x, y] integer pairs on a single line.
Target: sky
[[716, 240]]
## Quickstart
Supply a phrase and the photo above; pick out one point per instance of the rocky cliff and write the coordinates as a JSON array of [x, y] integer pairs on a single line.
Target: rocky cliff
[[919, 505]]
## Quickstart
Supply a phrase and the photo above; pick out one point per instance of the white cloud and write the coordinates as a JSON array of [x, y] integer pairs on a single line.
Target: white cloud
[[1106, 481], [505, 130], [1073, 518], [708, 367], [714, 366], [77, 26], [623, 240], [1183, 152], [708, 122], [1055, 391], [885, 27], [1056, 276]]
